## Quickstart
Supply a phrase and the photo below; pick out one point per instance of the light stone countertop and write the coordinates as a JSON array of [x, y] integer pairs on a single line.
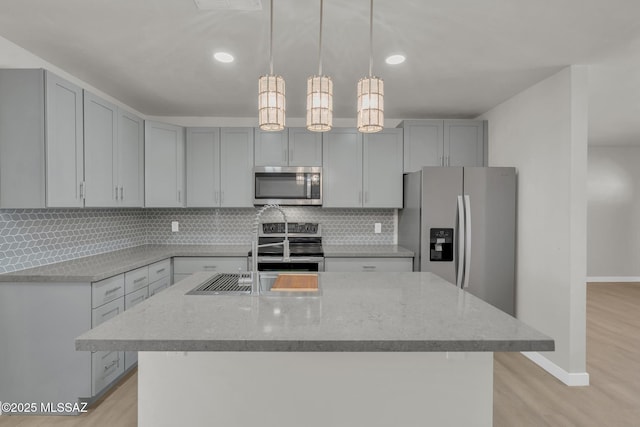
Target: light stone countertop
[[102, 266], [354, 312], [382, 251]]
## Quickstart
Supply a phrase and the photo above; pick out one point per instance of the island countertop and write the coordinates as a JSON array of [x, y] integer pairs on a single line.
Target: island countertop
[[372, 312]]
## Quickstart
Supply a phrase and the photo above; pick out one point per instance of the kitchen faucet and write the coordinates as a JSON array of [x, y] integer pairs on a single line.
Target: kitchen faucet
[[255, 283]]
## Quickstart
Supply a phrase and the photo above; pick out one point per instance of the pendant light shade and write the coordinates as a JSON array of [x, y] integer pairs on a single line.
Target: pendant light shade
[[370, 105], [271, 102], [370, 90], [319, 95], [271, 93]]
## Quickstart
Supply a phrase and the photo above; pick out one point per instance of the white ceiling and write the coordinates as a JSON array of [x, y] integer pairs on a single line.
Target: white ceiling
[[463, 56]]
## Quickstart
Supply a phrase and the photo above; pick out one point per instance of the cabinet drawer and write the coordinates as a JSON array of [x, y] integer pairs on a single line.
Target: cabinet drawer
[[105, 312], [158, 285], [106, 366], [159, 270], [368, 264], [189, 265], [136, 279], [107, 290], [135, 297]]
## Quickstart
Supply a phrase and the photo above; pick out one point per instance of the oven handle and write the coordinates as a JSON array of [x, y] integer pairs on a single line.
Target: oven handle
[[292, 259]]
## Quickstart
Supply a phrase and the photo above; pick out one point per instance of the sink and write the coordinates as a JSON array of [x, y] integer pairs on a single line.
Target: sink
[[240, 284]]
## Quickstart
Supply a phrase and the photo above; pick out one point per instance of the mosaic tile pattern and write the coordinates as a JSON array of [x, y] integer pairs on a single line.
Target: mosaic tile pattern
[[233, 226], [34, 237]]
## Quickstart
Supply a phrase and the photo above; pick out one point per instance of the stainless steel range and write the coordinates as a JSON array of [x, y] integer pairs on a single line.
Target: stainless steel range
[[305, 244]]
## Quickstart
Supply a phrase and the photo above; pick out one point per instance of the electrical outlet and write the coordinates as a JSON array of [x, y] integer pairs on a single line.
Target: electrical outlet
[[175, 226], [377, 228]]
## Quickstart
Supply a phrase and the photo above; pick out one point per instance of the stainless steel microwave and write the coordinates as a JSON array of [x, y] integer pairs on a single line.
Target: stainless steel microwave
[[287, 185]]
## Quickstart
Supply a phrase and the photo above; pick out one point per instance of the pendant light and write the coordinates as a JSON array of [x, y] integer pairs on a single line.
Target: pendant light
[[370, 110], [319, 95], [271, 94]]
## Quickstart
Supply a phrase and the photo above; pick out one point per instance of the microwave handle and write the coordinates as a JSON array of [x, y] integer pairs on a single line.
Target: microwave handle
[[308, 186]]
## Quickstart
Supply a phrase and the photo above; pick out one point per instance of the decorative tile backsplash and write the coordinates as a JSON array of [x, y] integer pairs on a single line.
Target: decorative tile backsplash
[[33, 237]]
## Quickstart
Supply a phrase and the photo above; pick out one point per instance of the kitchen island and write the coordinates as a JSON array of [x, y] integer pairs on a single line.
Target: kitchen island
[[371, 349]]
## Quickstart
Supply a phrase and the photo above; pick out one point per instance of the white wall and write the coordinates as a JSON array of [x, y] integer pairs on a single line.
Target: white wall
[[613, 225], [543, 133]]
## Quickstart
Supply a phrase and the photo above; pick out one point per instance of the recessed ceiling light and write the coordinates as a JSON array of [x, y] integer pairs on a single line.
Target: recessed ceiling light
[[223, 57], [395, 59]]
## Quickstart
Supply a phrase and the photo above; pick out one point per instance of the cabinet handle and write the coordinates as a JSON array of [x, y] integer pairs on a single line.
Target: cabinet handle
[[140, 298], [121, 192], [140, 279], [116, 192], [369, 267], [160, 271], [446, 161], [221, 197], [110, 291], [210, 267], [179, 198], [114, 363], [116, 310]]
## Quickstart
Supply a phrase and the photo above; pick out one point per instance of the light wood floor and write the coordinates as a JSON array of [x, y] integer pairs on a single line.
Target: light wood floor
[[524, 394]]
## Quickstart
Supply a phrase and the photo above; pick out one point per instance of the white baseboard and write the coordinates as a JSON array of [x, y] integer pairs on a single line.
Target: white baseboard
[[614, 279], [570, 379]]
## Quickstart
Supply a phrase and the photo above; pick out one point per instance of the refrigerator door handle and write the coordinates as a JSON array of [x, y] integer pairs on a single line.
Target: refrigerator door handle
[[467, 244], [461, 240]]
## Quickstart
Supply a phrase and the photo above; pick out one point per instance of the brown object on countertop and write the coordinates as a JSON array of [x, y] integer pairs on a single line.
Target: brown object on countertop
[[296, 282]]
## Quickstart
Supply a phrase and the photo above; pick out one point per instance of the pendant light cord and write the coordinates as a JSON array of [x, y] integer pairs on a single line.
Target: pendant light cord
[[271, 40], [370, 40], [320, 43]]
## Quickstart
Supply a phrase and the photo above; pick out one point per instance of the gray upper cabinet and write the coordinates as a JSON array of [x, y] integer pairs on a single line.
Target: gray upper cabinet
[[342, 168], [271, 148], [41, 140], [305, 147], [203, 167], [382, 169], [64, 141], [236, 166], [362, 171], [130, 159], [113, 142], [100, 145], [443, 143], [464, 142], [164, 165], [291, 147]]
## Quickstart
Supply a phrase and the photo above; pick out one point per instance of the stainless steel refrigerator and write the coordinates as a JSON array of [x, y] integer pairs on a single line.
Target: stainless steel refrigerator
[[461, 224]]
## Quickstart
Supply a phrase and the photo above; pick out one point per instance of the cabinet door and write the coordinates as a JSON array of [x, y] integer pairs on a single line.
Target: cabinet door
[[464, 142], [305, 147], [64, 140], [271, 148], [100, 155], [236, 167], [203, 167], [382, 169], [422, 144], [164, 165], [342, 168], [130, 159]]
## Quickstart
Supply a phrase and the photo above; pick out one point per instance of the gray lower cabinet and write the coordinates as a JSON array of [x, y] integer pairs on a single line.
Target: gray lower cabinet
[[184, 267], [46, 367], [164, 169], [368, 264], [41, 140], [362, 171], [443, 143], [219, 166]]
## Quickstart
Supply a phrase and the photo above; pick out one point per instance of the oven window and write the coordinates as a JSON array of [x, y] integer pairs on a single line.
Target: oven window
[[280, 186], [288, 266]]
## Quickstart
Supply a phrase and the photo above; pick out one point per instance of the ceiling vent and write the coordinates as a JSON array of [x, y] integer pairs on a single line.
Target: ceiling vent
[[228, 4]]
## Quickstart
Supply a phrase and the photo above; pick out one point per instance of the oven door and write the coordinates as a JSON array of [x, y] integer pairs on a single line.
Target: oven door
[[303, 264], [287, 186]]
